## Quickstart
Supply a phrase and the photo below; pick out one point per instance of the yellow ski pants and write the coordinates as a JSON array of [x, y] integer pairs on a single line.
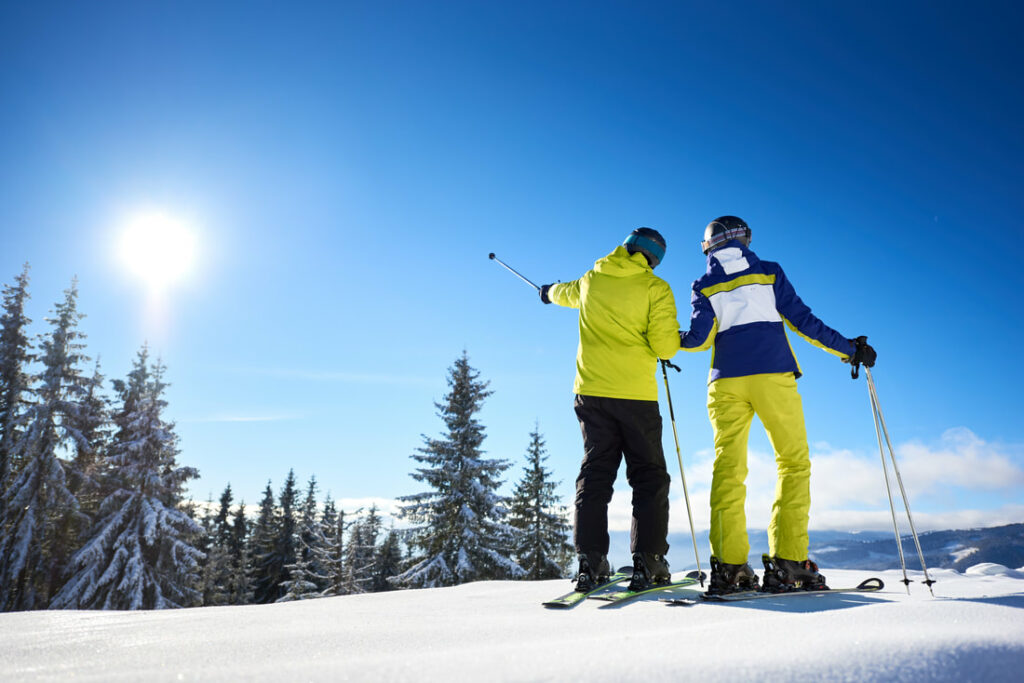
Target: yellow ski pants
[[732, 403]]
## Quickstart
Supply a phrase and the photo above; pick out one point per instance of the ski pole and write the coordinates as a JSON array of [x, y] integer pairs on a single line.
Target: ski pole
[[512, 270], [682, 475], [899, 480], [888, 487]]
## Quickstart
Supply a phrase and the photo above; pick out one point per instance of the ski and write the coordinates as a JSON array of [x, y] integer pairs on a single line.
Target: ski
[[573, 598], [616, 597], [867, 586]]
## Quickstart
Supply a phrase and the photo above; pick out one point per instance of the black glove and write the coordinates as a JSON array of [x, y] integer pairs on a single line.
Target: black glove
[[863, 353], [544, 293]]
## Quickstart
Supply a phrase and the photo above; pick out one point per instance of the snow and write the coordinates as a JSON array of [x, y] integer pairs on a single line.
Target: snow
[[992, 569], [958, 555], [973, 630]]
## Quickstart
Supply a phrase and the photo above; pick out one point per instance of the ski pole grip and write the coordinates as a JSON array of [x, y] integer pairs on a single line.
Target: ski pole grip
[[858, 344]]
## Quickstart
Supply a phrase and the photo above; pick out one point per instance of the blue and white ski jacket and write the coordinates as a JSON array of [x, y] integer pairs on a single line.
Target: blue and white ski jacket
[[739, 307]]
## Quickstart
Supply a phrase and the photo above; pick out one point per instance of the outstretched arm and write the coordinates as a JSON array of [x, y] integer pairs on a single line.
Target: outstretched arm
[[564, 294], [798, 316]]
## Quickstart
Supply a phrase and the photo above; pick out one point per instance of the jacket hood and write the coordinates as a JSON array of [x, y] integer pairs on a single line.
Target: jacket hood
[[731, 258], [620, 263]]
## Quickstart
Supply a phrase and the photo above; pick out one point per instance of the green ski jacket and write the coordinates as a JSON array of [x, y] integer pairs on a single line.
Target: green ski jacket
[[627, 322]]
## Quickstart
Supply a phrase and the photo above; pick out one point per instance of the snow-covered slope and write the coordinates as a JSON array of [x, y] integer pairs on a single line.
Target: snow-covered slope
[[497, 631]]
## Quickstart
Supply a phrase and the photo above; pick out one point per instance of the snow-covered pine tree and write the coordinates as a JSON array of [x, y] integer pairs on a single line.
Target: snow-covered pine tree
[[217, 573], [360, 553], [140, 554], [261, 551], [203, 543], [273, 561], [542, 544], [335, 525], [239, 587], [461, 534], [15, 355], [306, 579], [387, 562], [41, 510], [88, 422]]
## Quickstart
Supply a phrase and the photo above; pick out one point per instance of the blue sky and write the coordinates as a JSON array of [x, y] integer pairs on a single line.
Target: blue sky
[[347, 167]]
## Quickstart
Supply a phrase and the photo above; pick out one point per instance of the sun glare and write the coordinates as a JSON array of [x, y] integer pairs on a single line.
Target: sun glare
[[158, 249]]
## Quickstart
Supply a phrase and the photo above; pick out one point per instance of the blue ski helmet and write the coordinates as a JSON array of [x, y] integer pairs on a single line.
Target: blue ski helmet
[[648, 242], [723, 229]]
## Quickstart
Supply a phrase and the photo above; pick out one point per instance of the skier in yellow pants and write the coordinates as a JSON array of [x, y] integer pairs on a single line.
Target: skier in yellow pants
[[741, 307]]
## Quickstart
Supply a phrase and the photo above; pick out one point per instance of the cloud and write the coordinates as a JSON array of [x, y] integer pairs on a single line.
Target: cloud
[[962, 460], [848, 487], [881, 520]]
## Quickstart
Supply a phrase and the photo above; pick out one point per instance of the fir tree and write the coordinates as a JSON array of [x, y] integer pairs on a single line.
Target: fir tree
[[460, 534], [89, 425], [217, 571], [306, 579], [299, 585], [387, 562], [542, 545], [239, 587], [284, 540], [88, 473], [333, 560], [140, 554], [360, 553], [15, 355], [274, 558], [261, 550], [41, 509]]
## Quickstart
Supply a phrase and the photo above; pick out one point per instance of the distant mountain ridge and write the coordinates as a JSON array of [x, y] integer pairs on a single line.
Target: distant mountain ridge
[[957, 549], [953, 549]]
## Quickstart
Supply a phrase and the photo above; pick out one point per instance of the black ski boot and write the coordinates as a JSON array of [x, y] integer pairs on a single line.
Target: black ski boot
[[649, 570], [787, 575], [731, 578], [594, 570]]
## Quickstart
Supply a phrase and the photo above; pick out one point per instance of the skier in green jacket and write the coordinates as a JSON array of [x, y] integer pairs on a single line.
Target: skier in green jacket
[[627, 321]]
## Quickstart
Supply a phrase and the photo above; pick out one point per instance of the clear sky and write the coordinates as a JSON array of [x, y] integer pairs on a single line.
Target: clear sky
[[346, 167]]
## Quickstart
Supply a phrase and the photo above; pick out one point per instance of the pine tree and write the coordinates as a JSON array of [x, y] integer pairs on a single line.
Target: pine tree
[[333, 560], [261, 551], [42, 511], [306, 579], [387, 562], [542, 545], [15, 355], [460, 534], [217, 570], [140, 554], [239, 587], [274, 558], [360, 553], [88, 423]]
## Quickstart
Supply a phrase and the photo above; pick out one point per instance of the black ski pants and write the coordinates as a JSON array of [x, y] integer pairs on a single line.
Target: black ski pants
[[613, 428]]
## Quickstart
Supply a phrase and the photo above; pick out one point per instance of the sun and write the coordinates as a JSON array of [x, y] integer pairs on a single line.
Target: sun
[[157, 248]]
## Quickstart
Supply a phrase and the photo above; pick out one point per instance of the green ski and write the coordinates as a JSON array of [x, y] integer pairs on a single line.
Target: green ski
[[574, 598], [616, 597]]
